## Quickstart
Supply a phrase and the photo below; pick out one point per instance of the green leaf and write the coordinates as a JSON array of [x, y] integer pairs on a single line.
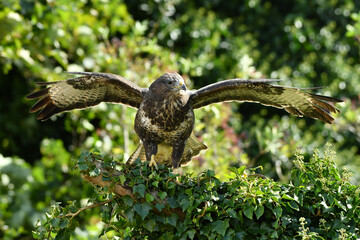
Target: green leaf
[[64, 223], [167, 236], [220, 226], [233, 170], [140, 189], [259, 211], [82, 167], [191, 233], [172, 220], [159, 206], [172, 202], [185, 204], [150, 225], [122, 179], [156, 183], [128, 200], [231, 212], [241, 170], [63, 235], [129, 213], [188, 192], [162, 195], [277, 211], [294, 205], [248, 212], [210, 173], [143, 209], [340, 205], [55, 222], [149, 197], [287, 197]]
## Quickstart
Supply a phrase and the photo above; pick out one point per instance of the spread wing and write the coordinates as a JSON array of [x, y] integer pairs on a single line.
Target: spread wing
[[293, 100], [85, 91]]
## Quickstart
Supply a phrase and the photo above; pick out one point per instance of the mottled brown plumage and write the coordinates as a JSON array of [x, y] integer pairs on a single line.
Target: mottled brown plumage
[[165, 114]]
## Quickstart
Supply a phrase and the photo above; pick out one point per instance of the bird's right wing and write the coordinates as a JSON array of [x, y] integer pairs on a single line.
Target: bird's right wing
[[85, 91], [293, 100]]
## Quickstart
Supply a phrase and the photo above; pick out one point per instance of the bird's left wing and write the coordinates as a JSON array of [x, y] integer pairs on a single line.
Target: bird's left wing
[[85, 91], [293, 100]]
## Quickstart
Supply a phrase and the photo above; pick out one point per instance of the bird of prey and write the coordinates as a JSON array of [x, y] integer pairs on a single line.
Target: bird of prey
[[165, 115]]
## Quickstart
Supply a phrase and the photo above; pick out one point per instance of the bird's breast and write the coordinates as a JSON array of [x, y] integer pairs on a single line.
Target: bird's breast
[[168, 119]]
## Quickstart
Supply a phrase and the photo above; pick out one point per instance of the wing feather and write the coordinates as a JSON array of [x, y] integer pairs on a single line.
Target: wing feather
[[293, 100], [85, 91]]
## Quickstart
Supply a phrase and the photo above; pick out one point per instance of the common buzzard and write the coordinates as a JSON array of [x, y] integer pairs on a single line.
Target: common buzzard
[[165, 115]]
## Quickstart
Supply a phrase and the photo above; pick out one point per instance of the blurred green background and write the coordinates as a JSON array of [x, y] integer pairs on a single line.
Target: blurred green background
[[303, 43]]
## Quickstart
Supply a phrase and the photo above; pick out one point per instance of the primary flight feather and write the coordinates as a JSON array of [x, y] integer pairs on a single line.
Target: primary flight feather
[[165, 110]]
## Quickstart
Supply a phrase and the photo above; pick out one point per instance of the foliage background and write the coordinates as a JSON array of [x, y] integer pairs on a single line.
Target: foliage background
[[303, 43]]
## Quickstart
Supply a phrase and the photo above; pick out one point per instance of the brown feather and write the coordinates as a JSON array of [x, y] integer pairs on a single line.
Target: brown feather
[[40, 104], [38, 94], [321, 115], [47, 111], [293, 111]]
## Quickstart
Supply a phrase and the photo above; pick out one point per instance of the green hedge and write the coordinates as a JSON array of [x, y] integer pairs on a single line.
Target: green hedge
[[319, 203]]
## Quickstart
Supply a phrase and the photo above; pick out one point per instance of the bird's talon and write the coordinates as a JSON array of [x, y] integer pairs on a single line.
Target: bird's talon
[[153, 162]]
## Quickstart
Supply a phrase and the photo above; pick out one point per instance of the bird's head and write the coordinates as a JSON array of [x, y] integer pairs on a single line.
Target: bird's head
[[169, 82]]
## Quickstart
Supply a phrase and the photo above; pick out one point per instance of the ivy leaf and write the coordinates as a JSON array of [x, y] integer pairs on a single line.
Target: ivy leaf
[[172, 202], [82, 167], [167, 236], [159, 206], [143, 209], [162, 195], [191, 233], [149, 197], [129, 215], [64, 223], [172, 220], [155, 184], [210, 173], [140, 189], [63, 235], [128, 200], [122, 179], [185, 204], [55, 222], [150, 225], [220, 226]]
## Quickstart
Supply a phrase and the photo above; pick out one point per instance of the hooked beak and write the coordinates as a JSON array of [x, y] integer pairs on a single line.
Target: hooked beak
[[181, 83]]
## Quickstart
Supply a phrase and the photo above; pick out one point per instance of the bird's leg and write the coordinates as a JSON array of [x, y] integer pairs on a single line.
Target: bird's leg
[[177, 152], [153, 162], [151, 149]]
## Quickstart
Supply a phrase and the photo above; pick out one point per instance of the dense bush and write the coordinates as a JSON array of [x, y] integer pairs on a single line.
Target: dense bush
[[319, 203]]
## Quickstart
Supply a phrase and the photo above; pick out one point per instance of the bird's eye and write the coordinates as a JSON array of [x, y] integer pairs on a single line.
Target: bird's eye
[[169, 82]]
